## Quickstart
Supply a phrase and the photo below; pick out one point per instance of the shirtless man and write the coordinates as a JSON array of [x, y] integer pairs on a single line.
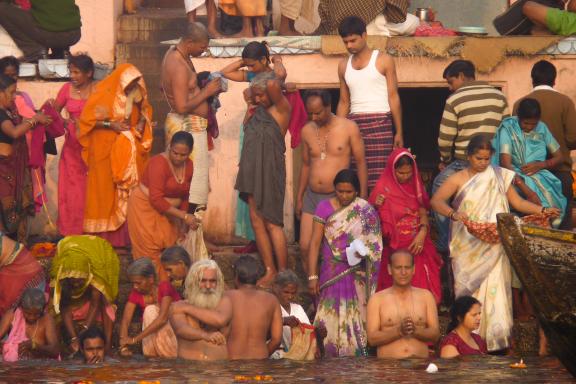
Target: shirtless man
[[188, 103], [328, 141], [204, 289], [402, 319], [40, 329], [92, 345], [261, 179], [254, 316]]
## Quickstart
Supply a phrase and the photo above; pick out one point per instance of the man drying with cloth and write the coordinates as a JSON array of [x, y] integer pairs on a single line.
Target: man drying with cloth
[[261, 179]]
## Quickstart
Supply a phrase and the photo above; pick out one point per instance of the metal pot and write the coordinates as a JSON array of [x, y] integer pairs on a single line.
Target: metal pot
[[424, 14]]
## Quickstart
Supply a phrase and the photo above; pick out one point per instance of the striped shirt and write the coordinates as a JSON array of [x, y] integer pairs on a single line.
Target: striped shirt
[[474, 108]]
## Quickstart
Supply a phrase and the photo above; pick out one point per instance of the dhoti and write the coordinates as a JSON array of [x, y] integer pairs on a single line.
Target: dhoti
[[197, 126]]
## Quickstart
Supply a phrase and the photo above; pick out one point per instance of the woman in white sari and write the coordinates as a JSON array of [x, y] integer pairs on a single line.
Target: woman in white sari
[[481, 268]]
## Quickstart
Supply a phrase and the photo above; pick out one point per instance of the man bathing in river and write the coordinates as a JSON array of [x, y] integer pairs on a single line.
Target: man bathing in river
[[328, 144], [402, 319], [253, 317], [201, 339]]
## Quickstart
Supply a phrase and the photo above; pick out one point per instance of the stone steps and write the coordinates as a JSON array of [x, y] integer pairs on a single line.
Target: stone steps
[[139, 43]]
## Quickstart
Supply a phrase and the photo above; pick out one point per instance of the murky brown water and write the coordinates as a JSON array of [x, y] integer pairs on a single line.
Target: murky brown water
[[335, 371]]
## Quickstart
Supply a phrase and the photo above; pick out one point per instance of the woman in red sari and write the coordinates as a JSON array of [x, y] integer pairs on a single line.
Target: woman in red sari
[[402, 204]]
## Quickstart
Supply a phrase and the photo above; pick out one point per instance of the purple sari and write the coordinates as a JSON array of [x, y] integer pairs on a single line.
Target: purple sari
[[344, 290]]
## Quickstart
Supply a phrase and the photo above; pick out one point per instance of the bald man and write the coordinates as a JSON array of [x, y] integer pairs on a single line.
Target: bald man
[[189, 106], [402, 319]]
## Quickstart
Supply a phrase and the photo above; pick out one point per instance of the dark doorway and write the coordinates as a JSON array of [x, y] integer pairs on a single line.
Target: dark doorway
[[422, 110]]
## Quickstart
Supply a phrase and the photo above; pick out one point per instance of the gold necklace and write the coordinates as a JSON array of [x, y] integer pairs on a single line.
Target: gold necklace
[[322, 144], [179, 178], [78, 91]]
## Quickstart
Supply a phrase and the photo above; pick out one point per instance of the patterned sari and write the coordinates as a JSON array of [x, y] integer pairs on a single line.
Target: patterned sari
[[115, 160], [482, 269], [18, 270], [527, 147], [344, 290]]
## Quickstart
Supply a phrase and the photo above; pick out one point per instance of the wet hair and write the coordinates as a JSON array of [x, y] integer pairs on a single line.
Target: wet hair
[[459, 310], [401, 252], [479, 142], [260, 81], [256, 50], [347, 176], [404, 160], [83, 62], [91, 333], [529, 109], [248, 269], [5, 82], [465, 67], [323, 94], [33, 298], [351, 25], [173, 255], [9, 61], [183, 137], [142, 267], [543, 73], [196, 32], [285, 278]]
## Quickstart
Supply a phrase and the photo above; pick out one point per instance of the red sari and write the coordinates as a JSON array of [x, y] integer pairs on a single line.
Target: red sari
[[400, 222]]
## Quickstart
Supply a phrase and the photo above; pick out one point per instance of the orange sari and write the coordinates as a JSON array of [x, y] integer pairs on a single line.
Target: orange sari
[[115, 160]]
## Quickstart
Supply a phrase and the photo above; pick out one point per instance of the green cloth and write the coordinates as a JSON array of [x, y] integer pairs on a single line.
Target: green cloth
[[56, 15], [85, 257], [561, 22]]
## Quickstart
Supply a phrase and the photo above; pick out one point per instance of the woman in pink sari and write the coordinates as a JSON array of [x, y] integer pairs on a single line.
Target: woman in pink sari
[[71, 168], [402, 204]]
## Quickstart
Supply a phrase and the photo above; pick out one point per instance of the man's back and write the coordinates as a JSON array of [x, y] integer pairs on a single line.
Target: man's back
[[475, 108], [559, 114], [255, 315]]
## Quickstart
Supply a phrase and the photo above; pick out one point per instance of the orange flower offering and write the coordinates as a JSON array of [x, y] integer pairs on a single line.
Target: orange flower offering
[[242, 378], [43, 250], [519, 365]]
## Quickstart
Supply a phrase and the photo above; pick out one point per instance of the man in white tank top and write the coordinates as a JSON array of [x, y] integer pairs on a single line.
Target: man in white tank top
[[369, 96]]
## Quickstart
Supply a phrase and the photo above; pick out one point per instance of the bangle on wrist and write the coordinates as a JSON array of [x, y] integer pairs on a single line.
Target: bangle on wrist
[[312, 277], [451, 214], [106, 123]]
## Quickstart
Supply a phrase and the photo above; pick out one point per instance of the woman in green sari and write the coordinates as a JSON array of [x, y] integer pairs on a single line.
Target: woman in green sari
[[84, 275]]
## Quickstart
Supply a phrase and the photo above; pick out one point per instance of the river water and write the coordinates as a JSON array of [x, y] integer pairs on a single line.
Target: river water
[[475, 370]]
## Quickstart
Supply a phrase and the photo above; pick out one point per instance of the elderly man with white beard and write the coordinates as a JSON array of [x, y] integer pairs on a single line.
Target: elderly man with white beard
[[203, 291]]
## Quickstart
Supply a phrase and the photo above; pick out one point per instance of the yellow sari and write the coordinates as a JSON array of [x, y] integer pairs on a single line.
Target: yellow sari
[[115, 160]]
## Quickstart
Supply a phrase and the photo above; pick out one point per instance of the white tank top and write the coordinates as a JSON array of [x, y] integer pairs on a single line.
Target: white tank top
[[368, 88]]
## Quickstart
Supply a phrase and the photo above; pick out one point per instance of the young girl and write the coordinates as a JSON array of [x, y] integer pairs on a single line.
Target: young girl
[[157, 336]]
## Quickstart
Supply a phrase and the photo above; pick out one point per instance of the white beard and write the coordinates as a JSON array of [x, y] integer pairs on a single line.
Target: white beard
[[203, 298]]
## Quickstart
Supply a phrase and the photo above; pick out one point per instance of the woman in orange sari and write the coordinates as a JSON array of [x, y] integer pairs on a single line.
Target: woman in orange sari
[[116, 137], [158, 209]]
